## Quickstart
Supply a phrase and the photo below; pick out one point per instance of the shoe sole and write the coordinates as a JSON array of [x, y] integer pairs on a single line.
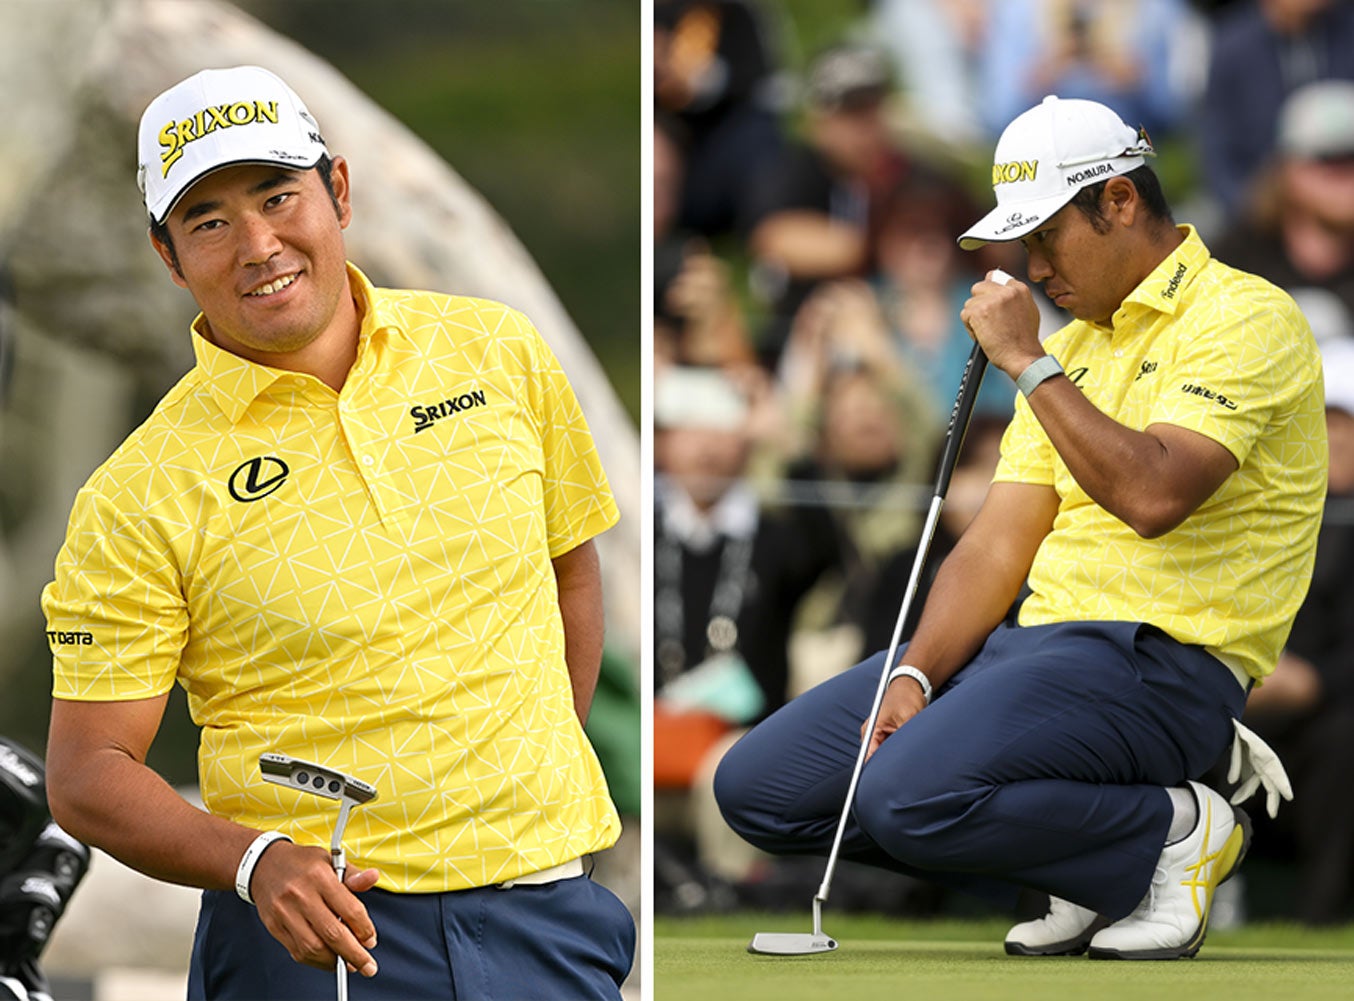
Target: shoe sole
[[1190, 948], [1069, 947]]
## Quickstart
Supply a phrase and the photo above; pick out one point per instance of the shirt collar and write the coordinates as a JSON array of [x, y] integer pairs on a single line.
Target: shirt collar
[[236, 382], [733, 516], [1165, 286]]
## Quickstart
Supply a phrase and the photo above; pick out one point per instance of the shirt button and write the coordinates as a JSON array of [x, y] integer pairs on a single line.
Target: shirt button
[[367, 460], [1118, 354]]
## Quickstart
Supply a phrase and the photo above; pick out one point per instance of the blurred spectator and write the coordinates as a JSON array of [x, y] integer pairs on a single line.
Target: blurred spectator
[[937, 48], [1298, 230], [1305, 709], [972, 476], [859, 474], [1262, 51], [1117, 52], [728, 576], [696, 318], [868, 377], [714, 70], [808, 218], [922, 282]]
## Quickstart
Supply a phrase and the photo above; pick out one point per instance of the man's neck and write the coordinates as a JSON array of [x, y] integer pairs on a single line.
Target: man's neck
[[329, 357]]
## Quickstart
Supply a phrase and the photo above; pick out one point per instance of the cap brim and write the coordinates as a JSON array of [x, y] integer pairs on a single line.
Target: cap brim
[[174, 197], [1012, 221]]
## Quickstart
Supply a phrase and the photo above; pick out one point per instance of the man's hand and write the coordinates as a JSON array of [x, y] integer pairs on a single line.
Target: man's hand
[[1004, 319], [903, 699], [304, 907]]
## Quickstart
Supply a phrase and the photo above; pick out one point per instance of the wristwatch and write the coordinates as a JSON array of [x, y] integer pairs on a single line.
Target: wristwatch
[[1036, 372]]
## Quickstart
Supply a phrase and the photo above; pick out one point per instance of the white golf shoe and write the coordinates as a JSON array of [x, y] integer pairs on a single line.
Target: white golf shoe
[[1066, 930], [1172, 919]]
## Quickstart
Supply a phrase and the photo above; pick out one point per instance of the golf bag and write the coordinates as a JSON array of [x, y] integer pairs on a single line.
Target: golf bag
[[40, 866]]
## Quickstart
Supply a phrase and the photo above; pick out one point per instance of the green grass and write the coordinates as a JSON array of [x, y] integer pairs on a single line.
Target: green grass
[[964, 961]]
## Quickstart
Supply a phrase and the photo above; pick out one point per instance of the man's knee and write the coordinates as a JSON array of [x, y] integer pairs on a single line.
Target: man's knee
[[734, 791], [757, 804], [909, 818]]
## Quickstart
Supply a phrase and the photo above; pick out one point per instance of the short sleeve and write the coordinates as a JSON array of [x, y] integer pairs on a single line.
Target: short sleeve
[[578, 501], [116, 617], [1026, 453], [1234, 381]]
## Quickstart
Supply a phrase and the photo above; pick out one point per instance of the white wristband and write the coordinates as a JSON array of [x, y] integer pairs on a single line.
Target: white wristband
[[1038, 371], [907, 670], [251, 857]]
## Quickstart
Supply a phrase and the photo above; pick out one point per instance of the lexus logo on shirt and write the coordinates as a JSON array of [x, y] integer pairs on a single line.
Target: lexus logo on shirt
[[257, 478]]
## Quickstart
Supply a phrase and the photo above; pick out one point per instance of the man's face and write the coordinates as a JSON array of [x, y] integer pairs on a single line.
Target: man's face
[[861, 431], [705, 462], [1317, 220], [855, 138], [1080, 268], [261, 250]]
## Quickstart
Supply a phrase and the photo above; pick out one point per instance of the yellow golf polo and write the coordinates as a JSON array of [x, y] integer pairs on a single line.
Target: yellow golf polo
[[361, 579], [1201, 346]]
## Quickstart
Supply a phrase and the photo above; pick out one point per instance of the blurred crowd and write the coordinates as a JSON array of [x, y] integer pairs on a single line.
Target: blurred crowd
[[807, 349]]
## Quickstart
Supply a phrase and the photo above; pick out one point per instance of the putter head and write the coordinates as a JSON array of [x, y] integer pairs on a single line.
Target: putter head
[[284, 770], [771, 943]]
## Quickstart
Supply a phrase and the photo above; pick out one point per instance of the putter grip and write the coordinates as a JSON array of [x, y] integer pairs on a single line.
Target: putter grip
[[959, 416]]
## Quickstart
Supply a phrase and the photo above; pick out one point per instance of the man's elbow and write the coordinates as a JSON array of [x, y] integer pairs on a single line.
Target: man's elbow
[[1157, 517], [77, 787], [65, 804]]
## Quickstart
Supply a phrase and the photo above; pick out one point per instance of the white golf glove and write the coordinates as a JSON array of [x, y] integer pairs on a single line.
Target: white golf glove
[[1254, 764]]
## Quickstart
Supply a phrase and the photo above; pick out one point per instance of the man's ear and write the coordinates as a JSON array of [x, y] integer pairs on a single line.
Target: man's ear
[[1120, 199], [167, 255], [338, 178]]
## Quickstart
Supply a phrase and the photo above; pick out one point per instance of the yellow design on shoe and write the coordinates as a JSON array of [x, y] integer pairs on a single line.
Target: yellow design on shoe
[[1172, 919]]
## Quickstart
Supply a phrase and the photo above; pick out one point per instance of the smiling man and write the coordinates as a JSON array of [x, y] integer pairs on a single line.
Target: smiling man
[[1159, 492], [334, 577]]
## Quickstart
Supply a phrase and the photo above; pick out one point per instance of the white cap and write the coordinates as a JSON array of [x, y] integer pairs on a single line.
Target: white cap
[[1046, 156], [691, 397], [1317, 120], [1337, 362], [220, 118]]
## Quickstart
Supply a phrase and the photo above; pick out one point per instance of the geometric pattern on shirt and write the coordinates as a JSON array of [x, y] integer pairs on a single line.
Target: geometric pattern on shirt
[[389, 608], [1232, 576]]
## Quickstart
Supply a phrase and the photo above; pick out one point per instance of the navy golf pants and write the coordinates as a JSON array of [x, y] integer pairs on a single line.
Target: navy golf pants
[[572, 940], [1041, 764]]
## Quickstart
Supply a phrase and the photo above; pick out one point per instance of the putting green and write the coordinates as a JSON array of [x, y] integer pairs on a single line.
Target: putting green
[[964, 961]]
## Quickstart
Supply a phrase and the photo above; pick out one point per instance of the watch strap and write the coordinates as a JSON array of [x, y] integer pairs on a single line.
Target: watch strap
[[908, 671], [250, 859], [1036, 372]]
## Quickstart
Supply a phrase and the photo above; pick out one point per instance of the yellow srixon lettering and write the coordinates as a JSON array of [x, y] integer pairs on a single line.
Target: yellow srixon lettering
[[176, 135], [1016, 170]]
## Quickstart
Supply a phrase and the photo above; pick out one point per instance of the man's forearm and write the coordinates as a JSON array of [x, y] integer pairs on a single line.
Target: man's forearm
[[106, 802], [966, 602], [1151, 480], [101, 791], [578, 574], [982, 578], [809, 245]]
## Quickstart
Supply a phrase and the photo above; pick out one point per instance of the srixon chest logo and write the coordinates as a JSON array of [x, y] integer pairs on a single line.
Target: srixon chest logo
[[427, 414]]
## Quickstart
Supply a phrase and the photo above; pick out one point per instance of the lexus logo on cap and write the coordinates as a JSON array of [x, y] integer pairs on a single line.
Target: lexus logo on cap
[[257, 478]]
